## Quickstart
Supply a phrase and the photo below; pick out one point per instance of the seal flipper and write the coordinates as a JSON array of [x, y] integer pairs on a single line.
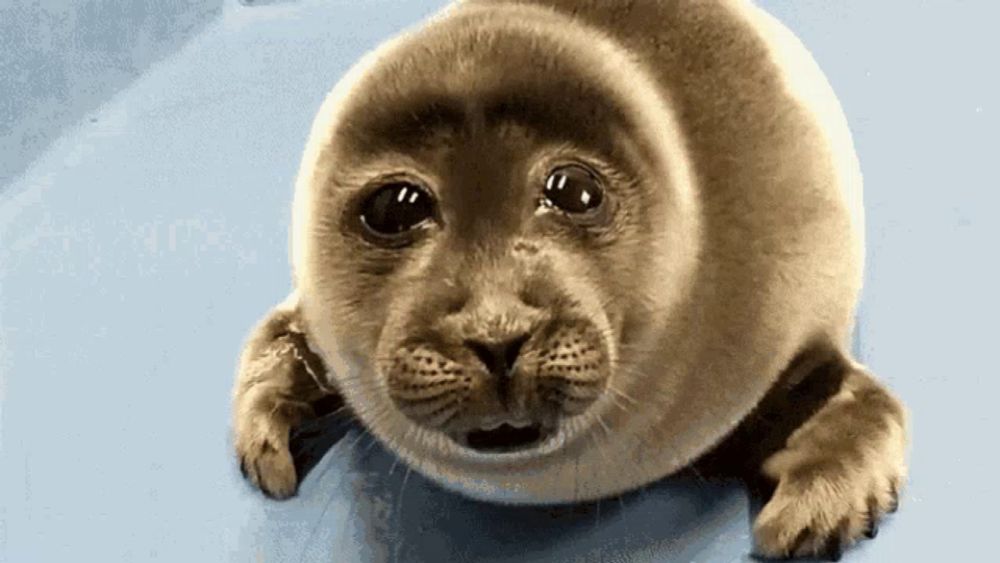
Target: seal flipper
[[309, 441], [822, 456], [280, 385]]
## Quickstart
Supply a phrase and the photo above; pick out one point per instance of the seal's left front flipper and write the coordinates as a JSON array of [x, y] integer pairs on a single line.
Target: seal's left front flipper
[[837, 475]]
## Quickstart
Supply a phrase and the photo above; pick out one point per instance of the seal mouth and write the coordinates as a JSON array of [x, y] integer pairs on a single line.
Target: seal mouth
[[503, 437]]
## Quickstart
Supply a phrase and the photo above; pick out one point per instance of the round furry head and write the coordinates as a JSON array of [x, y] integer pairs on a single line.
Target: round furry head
[[501, 251]]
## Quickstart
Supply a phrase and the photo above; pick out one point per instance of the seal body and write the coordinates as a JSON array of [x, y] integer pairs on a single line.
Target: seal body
[[736, 241]]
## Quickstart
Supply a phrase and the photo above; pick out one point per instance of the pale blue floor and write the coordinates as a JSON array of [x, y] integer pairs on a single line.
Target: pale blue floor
[[138, 250]]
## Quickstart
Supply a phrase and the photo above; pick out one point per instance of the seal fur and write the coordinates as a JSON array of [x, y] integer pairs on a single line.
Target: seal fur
[[745, 255]]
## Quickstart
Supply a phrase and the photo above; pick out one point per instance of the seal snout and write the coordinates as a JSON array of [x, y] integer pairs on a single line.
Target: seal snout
[[499, 395]]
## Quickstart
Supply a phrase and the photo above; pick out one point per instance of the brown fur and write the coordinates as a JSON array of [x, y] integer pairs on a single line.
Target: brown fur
[[733, 246]]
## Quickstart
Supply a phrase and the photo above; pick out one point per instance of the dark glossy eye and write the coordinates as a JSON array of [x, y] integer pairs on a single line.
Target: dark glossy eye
[[396, 208], [573, 189]]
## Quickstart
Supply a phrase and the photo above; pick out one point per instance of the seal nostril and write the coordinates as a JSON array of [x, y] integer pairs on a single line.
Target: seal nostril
[[487, 355], [513, 350]]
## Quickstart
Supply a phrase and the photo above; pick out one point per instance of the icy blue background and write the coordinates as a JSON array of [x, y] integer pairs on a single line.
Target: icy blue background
[[148, 152]]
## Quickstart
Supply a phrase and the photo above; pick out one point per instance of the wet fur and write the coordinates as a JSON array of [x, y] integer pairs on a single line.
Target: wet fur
[[736, 286]]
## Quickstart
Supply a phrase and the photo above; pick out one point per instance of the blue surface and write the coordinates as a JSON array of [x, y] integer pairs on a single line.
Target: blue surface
[[136, 252], [60, 59]]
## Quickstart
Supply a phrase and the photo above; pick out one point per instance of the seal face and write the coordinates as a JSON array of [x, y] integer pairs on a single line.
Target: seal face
[[524, 247], [483, 230], [495, 364]]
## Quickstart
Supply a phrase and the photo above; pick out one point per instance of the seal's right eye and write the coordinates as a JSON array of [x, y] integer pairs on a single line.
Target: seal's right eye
[[396, 208]]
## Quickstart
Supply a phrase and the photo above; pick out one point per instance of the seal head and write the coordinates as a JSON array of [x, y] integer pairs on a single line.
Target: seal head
[[492, 221], [554, 250]]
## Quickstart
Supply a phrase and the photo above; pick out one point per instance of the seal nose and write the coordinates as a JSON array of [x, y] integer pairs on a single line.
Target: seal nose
[[498, 357]]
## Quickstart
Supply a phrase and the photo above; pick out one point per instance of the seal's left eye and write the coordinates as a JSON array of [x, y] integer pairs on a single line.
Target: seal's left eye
[[396, 208], [573, 189]]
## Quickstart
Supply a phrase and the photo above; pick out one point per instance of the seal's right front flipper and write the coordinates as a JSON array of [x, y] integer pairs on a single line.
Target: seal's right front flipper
[[281, 384]]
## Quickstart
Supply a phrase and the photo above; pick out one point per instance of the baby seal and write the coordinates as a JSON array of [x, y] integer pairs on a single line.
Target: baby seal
[[553, 250]]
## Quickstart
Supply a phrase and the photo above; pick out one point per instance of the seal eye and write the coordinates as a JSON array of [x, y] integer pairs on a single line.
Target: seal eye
[[396, 208], [573, 189]]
